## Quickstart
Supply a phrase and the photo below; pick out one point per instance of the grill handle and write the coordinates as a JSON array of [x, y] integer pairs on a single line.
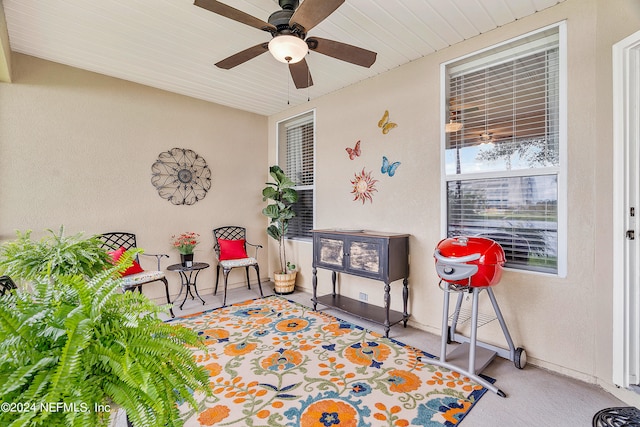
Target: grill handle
[[453, 259]]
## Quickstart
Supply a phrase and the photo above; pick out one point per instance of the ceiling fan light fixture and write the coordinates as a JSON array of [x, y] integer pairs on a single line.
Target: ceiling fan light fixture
[[288, 49], [453, 126]]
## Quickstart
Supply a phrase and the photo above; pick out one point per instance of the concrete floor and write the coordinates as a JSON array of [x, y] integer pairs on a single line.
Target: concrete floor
[[535, 396]]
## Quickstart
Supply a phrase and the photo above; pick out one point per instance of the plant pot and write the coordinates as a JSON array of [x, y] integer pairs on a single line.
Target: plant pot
[[284, 283], [186, 260]]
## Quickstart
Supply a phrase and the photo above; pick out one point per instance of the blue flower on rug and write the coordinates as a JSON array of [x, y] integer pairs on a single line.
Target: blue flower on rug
[[447, 411], [360, 389], [261, 333], [328, 409], [254, 312]]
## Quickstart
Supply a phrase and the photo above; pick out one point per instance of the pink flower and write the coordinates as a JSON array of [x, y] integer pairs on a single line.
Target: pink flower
[[185, 242]]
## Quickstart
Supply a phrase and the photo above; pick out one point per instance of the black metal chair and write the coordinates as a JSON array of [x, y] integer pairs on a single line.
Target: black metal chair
[[6, 285], [234, 233], [117, 240]]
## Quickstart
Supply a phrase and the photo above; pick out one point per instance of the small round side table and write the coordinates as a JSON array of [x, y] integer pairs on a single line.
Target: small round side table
[[186, 281]]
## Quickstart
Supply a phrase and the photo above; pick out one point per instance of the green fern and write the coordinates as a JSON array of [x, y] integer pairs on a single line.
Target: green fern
[[76, 338], [55, 254]]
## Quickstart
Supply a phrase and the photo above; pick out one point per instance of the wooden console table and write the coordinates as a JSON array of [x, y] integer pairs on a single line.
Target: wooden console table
[[370, 254]]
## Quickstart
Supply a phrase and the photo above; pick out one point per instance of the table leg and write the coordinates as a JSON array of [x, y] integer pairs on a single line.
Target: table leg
[[314, 283], [185, 282], [405, 299], [195, 288], [333, 281], [387, 304]]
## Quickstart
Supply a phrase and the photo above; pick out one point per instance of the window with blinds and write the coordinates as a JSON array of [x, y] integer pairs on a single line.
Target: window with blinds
[[296, 157], [502, 149]]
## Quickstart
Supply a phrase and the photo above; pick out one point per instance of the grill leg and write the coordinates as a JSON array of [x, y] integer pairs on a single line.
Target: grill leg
[[474, 330], [445, 324], [455, 317], [503, 325]]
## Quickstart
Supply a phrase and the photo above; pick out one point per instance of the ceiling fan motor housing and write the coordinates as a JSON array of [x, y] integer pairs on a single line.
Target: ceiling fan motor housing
[[289, 4], [281, 19]]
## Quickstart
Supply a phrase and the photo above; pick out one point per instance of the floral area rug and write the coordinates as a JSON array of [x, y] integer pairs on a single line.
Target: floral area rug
[[273, 362]]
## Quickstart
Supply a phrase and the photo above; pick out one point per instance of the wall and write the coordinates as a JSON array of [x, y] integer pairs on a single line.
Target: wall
[[76, 149], [562, 322], [614, 24]]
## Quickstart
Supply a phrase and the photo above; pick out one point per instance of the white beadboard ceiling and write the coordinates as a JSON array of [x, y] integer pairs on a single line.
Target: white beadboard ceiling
[[173, 45]]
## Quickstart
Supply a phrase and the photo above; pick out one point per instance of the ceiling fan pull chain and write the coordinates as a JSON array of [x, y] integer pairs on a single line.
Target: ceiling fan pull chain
[[308, 84], [288, 86]]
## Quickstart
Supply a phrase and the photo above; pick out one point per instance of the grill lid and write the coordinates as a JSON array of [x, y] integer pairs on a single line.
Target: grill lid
[[488, 252]]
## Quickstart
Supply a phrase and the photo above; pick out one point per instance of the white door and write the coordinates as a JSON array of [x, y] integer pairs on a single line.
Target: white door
[[626, 262]]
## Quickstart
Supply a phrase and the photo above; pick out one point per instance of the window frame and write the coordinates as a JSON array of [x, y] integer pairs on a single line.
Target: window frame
[[279, 141], [561, 170]]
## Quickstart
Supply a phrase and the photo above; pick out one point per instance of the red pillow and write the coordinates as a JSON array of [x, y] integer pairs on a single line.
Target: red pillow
[[232, 249], [135, 268]]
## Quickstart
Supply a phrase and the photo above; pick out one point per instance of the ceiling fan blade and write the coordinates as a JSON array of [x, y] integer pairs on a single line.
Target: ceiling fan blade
[[243, 56], [235, 14], [342, 51], [311, 12], [300, 74]]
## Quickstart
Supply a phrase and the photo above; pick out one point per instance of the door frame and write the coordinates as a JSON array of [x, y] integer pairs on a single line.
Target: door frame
[[626, 138]]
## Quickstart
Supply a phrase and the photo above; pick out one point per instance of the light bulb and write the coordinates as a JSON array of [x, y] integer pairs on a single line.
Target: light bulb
[[288, 49]]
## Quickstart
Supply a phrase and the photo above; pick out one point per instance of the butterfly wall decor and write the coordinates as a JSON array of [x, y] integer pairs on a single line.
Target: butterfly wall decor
[[385, 124], [355, 151], [387, 167]]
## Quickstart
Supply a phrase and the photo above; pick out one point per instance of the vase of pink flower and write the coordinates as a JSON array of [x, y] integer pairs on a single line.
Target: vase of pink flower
[[185, 243]]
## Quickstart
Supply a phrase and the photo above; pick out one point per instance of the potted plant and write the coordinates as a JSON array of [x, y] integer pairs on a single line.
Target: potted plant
[[283, 195], [75, 347], [185, 243]]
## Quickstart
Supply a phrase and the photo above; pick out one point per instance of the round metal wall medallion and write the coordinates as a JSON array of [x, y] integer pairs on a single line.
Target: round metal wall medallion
[[181, 176]]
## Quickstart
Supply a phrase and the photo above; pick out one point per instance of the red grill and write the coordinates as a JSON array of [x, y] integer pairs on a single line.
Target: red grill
[[469, 261], [471, 265]]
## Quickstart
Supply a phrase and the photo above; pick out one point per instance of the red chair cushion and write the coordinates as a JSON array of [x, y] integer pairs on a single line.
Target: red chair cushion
[[135, 268], [232, 249]]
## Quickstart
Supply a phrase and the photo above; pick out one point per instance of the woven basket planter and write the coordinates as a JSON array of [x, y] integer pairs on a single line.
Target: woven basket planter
[[284, 283]]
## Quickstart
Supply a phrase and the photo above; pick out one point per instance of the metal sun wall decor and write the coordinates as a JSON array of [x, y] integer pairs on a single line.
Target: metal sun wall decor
[[363, 186], [181, 176]]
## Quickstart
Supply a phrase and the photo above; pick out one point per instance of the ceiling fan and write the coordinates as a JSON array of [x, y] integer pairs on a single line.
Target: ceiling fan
[[289, 44]]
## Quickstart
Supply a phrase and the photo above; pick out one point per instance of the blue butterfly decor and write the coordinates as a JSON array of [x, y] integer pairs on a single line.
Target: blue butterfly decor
[[389, 168]]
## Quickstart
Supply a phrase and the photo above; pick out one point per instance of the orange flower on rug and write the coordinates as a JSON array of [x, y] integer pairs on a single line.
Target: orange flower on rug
[[273, 362]]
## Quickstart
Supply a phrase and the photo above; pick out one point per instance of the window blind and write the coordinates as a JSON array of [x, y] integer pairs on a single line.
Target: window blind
[[502, 164], [509, 115], [297, 154], [520, 213]]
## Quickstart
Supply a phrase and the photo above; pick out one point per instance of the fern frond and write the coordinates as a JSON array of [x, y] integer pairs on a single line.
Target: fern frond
[[68, 366], [9, 320], [23, 374]]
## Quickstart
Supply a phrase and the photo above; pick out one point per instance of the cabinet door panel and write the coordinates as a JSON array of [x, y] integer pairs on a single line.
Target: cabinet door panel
[[364, 256], [331, 252]]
